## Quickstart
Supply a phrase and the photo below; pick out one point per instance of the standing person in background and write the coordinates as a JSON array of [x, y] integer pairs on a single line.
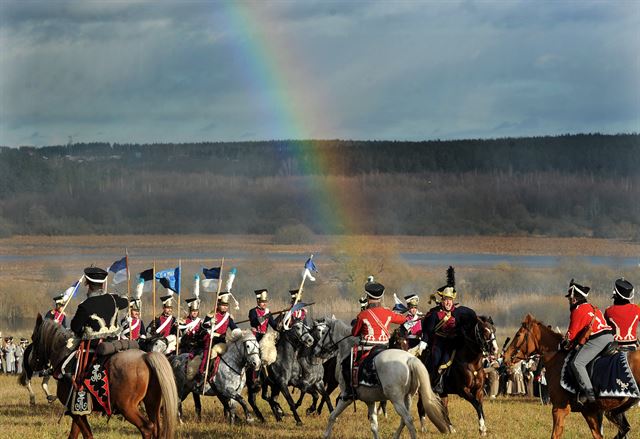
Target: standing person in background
[[19, 354], [56, 314], [623, 315], [10, 356], [493, 377]]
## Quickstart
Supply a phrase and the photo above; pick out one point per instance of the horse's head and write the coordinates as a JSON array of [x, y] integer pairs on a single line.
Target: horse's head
[[322, 334], [251, 350], [487, 335], [39, 358], [301, 334], [525, 342], [159, 344]]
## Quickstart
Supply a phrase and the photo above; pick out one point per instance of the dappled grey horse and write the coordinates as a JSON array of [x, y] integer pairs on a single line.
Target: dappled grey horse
[[230, 376], [401, 375], [286, 368]]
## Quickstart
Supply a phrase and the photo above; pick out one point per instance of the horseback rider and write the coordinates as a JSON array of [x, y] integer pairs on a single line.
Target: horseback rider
[[372, 328], [216, 326], [132, 326], [624, 315], [165, 324], [363, 304], [192, 340], [300, 314], [588, 335], [97, 316], [56, 313], [440, 331], [412, 328], [260, 317]]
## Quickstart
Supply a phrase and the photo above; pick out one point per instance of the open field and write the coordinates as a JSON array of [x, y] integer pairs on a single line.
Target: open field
[[517, 418]]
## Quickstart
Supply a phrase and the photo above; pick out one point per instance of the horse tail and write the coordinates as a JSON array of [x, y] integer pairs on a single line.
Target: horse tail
[[431, 402], [160, 366], [27, 373]]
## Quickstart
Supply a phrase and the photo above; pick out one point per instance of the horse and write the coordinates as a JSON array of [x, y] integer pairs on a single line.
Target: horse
[[534, 337], [229, 378], [465, 377], [401, 375], [135, 377], [286, 368], [27, 374]]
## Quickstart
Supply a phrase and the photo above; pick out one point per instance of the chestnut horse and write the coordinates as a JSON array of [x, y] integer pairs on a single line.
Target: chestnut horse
[[534, 337], [135, 377]]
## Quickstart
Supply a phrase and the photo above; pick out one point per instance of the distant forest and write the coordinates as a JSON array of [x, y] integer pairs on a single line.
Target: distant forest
[[571, 185]]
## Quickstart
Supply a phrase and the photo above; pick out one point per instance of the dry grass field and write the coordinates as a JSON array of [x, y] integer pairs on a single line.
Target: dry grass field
[[516, 418]]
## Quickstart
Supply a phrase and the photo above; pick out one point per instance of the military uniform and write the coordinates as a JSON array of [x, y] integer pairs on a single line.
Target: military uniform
[[585, 317], [372, 328], [96, 317], [192, 340], [623, 315], [57, 315], [260, 318], [165, 324], [412, 327], [133, 327], [217, 326]]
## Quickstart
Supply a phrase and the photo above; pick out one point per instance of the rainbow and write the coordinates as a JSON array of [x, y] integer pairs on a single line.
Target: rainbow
[[293, 103]]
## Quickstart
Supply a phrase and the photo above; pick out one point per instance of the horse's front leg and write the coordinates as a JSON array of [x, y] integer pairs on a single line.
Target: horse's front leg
[[314, 402], [559, 413], [245, 407], [325, 396], [373, 418], [45, 387], [299, 401], [334, 415], [475, 401], [251, 395], [197, 405], [32, 395], [292, 405]]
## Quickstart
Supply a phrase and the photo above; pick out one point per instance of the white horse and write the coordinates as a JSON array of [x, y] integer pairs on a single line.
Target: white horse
[[401, 375]]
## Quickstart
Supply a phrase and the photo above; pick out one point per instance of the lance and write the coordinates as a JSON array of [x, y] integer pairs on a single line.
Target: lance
[[213, 324], [275, 313]]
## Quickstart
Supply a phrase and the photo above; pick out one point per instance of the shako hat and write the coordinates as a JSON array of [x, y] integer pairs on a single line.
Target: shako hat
[[449, 290], [167, 301], [223, 298], [193, 303], [577, 290], [134, 304], [374, 290], [262, 295], [95, 275], [59, 300], [624, 289], [294, 294], [412, 299]]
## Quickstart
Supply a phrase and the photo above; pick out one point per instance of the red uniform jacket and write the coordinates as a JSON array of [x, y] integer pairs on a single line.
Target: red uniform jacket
[[372, 325], [583, 315], [624, 319]]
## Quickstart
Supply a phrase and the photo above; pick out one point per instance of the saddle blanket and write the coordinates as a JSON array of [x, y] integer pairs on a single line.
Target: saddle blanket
[[611, 376], [365, 369], [97, 383]]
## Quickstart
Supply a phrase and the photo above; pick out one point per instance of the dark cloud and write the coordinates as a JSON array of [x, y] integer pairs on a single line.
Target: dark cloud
[[185, 71]]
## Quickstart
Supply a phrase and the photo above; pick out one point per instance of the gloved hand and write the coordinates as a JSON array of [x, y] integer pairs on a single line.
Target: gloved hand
[[422, 346]]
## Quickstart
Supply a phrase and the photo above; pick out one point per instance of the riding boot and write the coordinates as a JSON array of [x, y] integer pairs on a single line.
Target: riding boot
[[586, 396]]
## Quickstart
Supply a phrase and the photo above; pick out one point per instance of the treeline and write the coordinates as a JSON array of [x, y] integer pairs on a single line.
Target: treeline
[[579, 185]]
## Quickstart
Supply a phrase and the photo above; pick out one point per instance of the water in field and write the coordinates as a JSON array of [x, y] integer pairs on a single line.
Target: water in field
[[435, 259]]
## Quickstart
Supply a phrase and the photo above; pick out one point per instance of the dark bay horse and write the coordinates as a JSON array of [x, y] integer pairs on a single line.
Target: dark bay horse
[[534, 337], [465, 377], [135, 377]]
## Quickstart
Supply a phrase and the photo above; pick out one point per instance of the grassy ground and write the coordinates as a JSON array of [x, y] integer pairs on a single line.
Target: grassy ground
[[515, 417]]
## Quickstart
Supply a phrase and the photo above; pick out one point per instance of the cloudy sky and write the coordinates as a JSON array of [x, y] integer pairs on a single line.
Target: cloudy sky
[[120, 71]]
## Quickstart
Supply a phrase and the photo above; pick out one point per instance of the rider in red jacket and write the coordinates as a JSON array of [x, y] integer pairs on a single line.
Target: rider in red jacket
[[588, 334], [623, 315], [372, 326]]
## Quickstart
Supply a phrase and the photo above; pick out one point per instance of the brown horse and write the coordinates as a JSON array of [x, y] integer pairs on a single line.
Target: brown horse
[[466, 373], [135, 377], [534, 337]]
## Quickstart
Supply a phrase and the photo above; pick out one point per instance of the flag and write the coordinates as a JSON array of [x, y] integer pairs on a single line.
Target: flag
[[399, 306], [230, 278], [119, 270], [309, 266], [145, 280], [211, 279], [170, 279], [69, 292]]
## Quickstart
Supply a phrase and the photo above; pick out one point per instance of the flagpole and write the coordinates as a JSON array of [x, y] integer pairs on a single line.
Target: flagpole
[[126, 260], [213, 324], [299, 295], [71, 297], [178, 316], [153, 289]]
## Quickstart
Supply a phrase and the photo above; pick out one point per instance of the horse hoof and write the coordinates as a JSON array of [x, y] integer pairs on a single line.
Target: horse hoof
[[250, 420], [50, 399], [298, 423]]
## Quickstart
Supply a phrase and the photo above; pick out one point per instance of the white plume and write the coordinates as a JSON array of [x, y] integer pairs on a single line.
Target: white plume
[[196, 286], [139, 289]]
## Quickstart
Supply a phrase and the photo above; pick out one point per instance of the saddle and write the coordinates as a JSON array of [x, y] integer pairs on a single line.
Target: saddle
[[609, 372], [364, 369]]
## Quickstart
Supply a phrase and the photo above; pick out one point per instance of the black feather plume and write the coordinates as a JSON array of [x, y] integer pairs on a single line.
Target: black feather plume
[[451, 277]]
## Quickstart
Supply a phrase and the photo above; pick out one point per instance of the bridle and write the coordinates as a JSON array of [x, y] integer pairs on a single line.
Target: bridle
[[243, 355], [519, 348], [328, 348], [295, 339]]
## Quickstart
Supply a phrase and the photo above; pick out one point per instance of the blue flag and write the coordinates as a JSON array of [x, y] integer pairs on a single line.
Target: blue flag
[[309, 266], [119, 270], [170, 279], [211, 279]]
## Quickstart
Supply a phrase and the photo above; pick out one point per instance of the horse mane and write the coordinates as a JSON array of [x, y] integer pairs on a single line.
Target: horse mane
[[529, 320], [341, 328], [52, 340]]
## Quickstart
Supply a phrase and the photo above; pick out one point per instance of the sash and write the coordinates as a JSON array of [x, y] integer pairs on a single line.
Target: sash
[[385, 330], [222, 321], [190, 326], [441, 323], [166, 322], [58, 317]]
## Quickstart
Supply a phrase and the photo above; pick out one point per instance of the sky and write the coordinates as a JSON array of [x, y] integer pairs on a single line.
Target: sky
[[197, 71]]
